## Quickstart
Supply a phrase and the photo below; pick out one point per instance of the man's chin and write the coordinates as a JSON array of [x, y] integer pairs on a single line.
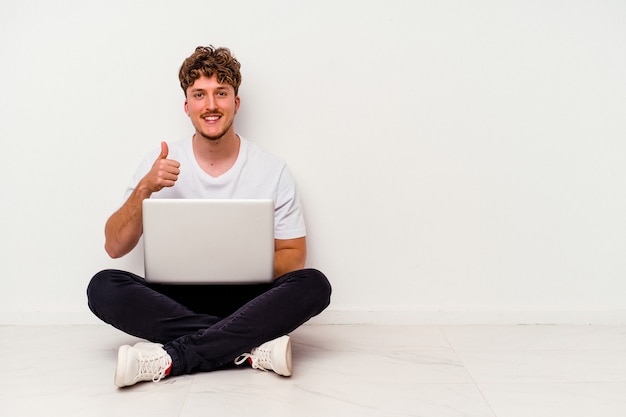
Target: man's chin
[[215, 136], [212, 138]]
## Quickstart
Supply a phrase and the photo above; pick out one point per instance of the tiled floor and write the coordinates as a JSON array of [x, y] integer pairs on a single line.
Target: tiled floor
[[502, 371]]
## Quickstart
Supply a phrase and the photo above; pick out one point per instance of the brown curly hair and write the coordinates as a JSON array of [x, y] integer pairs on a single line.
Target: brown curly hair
[[209, 61]]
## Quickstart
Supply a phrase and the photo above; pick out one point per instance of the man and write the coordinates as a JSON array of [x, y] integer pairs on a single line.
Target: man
[[204, 328]]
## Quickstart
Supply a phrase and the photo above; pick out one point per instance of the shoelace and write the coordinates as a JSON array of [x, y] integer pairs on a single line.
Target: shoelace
[[257, 357], [154, 365]]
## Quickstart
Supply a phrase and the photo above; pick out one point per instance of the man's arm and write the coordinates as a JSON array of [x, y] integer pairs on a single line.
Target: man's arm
[[124, 228], [289, 255]]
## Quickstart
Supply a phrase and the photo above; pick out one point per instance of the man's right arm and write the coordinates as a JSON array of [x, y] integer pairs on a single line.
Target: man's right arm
[[124, 228]]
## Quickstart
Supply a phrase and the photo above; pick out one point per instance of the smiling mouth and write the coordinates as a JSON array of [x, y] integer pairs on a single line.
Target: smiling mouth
[[211, 118]]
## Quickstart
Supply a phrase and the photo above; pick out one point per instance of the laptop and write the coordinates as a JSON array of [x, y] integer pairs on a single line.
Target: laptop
[[204, 241]]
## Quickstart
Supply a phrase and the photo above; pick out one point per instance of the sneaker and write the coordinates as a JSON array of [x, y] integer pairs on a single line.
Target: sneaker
[[142, 362], [274, 355]]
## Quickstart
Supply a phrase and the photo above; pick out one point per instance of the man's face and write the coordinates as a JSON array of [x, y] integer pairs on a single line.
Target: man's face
[[211, 106]]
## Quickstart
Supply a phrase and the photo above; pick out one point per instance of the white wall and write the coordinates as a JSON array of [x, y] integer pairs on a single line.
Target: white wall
[[459, 161]]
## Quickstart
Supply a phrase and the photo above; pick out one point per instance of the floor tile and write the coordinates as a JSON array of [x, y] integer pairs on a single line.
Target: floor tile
[[241, 393], [527, 338], [490, 371], [555, 400], [523, 354], [68, 370], [545, 366], [410, 355]]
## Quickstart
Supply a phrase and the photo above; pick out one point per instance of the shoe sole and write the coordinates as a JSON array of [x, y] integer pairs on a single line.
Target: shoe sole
[[120, 370], [283, 345]]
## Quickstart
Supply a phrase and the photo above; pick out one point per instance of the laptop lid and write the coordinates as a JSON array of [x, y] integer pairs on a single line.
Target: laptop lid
[[203, 241]]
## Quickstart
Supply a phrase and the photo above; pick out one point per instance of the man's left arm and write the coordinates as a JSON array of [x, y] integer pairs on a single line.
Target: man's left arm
[[289, 255]]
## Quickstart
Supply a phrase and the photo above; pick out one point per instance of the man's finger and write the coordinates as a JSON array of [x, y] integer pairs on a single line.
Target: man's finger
[[164, 151]]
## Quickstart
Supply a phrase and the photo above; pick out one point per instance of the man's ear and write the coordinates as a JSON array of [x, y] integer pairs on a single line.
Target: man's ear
[[186, 107], [237, 103]]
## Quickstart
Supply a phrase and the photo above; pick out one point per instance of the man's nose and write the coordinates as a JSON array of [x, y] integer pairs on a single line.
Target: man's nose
[[210, 103]]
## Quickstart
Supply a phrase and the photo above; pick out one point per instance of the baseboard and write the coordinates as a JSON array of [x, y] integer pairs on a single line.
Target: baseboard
[[471, 317], [46, 318], [346, 316]]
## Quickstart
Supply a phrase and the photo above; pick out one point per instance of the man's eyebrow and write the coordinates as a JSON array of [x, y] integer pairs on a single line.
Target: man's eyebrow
[[221, 87]]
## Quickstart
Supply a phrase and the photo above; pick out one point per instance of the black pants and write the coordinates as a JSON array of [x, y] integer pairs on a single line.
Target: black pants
[[205, 327]]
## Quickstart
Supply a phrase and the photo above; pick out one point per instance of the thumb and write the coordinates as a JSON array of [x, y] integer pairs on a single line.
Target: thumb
[[164, 151]]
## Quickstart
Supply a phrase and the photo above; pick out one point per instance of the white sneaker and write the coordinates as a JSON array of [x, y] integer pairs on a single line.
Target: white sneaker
[[274, 355], [142, 362]]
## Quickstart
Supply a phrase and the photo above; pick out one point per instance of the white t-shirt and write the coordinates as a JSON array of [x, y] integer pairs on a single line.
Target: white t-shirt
[[255, 174]]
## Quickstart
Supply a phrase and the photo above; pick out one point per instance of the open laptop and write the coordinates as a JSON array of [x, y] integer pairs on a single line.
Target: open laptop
[[192, 241]]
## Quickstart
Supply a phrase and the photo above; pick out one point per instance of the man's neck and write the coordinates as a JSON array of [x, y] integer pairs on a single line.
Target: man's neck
[[216, 156]]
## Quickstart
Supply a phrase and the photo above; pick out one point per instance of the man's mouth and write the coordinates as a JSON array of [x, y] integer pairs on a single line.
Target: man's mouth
[[211, 118]]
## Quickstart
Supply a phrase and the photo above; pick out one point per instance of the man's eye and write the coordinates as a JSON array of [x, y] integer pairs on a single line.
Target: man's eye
[[198, 95]]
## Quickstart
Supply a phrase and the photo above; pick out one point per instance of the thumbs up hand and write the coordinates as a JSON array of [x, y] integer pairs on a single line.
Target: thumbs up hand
[[164, 172]]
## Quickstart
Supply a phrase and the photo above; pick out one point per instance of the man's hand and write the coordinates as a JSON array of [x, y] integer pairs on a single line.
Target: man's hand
[[164, 172]]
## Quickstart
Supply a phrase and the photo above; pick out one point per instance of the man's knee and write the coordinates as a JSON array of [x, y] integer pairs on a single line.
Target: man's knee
[[96, 289], [101, 289], [318, 287]]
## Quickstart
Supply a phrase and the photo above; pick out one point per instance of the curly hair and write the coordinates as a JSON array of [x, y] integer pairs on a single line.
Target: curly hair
[[209, 61]]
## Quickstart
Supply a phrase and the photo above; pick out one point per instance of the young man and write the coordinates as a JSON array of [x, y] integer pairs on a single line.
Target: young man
[[204, 328]]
